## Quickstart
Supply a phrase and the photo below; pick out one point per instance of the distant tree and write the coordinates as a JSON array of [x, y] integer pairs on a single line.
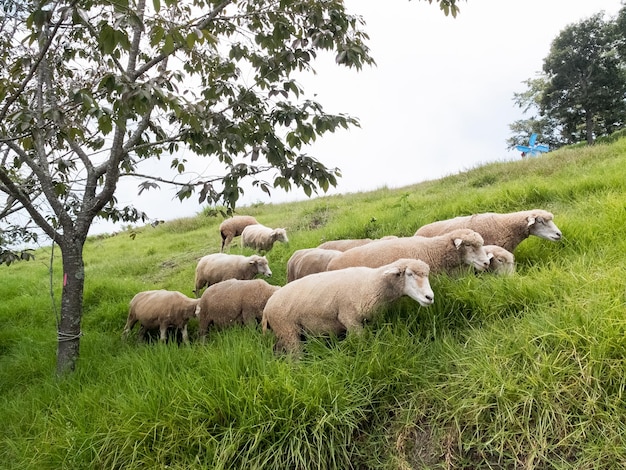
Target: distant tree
[[581, 93], [90, 89], [529, 101]]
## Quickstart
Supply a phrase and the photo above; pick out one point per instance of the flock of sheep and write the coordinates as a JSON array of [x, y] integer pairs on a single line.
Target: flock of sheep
[[335, 287]]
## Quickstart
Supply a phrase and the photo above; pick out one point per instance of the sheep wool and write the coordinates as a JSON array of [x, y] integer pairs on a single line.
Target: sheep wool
[[231, 228], [232, 302], [160, 309], [445, 253], [262, 238], [337, 301], [218, 267], [309, 261], [506, 230]]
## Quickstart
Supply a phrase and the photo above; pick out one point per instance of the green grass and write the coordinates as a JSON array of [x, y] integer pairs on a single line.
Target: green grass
[[525, 371]]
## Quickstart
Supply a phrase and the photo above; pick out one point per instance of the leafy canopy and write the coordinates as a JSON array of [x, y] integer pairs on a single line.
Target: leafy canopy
[[92, 89], [581, 92]]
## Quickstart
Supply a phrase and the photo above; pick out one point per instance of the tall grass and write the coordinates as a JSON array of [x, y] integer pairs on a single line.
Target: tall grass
[[523, 371]]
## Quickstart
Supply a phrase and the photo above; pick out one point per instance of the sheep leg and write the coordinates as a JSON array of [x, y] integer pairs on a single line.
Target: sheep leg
[[352, 324], [130, 323], [142, 333], [163, 330], [225, 241], [185, 334], [288, 341]]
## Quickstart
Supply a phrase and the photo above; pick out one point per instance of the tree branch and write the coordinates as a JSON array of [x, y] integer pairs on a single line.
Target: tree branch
[[11, 99], [201, 25]]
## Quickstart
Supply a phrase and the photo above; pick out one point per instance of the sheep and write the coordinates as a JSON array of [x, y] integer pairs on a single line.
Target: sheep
[[501, 261], [160, 309], [262, 238], [343, 245], [340, 301], [218, 267], [231, 228], [309, 261], [506, 230], [233, 301], [444, 253], [346, 244]]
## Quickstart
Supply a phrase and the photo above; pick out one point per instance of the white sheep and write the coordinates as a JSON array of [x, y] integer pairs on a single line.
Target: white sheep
[[346, 244], [233, 301], [309, 261], [262, 238], [160, 309], [505, 230], [443, 253], [231, 228], [338, 301], [501, 261], [218, 267]]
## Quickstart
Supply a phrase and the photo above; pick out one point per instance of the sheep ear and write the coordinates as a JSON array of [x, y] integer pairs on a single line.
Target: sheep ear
[[489, 256], [393, 271], [531, 220], [458, 242]]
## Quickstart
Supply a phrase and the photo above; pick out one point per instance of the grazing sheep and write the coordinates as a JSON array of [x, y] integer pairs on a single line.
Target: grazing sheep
[[338, 301], [501, 261], [443, 253], [262, 238], [309, 261], [233, 227], [505, 230], [233, 302], [346, 244], [218, 267], [160, 309]]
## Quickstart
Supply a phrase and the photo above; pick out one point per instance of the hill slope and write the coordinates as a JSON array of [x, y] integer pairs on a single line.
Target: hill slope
[[519, 372]]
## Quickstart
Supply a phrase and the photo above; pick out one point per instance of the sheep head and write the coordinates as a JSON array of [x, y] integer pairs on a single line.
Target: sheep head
[[541, 224]]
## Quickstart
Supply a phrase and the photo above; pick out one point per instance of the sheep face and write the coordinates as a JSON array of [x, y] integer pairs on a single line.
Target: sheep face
[[261, 264], [541, 225], [472, 251], [416, 284], [501, 261], [280, 235]]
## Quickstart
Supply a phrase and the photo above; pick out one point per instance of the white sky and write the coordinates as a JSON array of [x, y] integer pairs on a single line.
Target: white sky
[[439, 101]]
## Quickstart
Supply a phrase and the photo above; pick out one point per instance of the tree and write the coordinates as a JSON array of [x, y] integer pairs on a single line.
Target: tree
[[581, 93], [90, 89]]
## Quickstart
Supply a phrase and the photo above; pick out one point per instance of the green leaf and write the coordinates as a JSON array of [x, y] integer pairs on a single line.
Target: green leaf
[[107, 39], [157, 5]]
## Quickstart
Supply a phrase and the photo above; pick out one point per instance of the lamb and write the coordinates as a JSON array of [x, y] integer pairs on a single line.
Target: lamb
[[262, 238], [233, 302], [346, 244], [339, 301], [309, 261], [160, 309], [501, 261], [506, 230], [231, 228], [445, 253], [218, 267]]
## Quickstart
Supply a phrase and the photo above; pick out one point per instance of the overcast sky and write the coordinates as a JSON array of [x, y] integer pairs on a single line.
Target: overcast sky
[[439, 101]]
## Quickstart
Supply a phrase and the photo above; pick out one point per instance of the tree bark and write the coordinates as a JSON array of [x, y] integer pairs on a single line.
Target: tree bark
[[69, 331], [589, 127]]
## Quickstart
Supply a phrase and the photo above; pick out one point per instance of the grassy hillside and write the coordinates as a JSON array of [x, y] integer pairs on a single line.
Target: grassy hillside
[[518, 372]]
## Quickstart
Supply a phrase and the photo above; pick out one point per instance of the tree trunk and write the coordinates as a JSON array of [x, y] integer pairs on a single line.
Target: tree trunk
[[589, 127], [71, 306]]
